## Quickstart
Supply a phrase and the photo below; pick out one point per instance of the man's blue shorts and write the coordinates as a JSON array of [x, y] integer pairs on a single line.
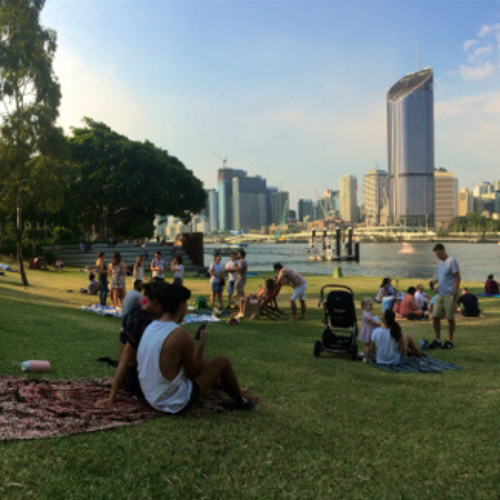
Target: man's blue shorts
[[216, 287], [230, 287]]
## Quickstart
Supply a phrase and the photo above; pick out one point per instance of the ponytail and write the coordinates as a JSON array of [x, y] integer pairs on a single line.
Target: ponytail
[[393, 325]]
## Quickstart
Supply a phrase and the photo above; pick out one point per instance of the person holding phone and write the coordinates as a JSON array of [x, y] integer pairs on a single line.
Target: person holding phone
[[172, 373]]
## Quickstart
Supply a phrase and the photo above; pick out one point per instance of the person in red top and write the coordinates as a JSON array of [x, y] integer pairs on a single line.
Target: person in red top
[[409, 308], [491, 286]]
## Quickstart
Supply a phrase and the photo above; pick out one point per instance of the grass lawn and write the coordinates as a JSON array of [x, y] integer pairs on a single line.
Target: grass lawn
[[326, 428]]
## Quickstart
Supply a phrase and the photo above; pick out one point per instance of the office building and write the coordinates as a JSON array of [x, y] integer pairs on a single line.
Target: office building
[[280, 201], [249, 203], [306, 209], [225, 178], [269, 204], [465, 203], [410, 130], [375, 196], [349, 199], [445, 196], [213, 210]]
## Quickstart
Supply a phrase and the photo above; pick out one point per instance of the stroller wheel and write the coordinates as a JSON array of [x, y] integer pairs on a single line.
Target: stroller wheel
[[354, 351], [318, 348]]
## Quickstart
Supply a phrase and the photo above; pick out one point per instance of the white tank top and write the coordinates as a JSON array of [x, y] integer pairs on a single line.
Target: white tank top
[[169, 396]]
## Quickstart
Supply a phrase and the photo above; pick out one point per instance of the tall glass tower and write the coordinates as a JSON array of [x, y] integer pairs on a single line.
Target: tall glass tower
[[410, 127]]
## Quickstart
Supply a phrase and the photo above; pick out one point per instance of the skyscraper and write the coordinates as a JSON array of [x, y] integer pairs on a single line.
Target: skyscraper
[[280, 199], [410, 130], [249, 203], [445, 198], [349, 198], [306, 209], [465, 202], [375, 195], [213, 210], [225, 189]]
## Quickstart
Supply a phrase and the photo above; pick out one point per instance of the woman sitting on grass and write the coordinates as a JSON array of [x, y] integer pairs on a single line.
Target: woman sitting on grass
[[409, 308], [250, 305], [389, 344]]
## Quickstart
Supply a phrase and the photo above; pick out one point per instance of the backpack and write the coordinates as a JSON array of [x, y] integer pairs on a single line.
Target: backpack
[[201, 303]]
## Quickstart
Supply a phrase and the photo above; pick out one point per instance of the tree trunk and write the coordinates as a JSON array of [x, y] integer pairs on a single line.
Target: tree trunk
[[19, 237]]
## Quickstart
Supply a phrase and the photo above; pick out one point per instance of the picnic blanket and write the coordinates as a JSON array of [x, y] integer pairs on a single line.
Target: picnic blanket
[[35, 408], [489, 295], [424, 364], [116, 313], [103, 310]]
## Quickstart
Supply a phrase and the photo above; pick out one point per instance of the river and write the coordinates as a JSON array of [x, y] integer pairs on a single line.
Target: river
[[476, 260]]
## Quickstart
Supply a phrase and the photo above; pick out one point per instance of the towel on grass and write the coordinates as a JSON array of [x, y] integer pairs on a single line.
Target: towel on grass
[[423, 365], [489, 295], [35, 408], [111, 311], [103, 310]]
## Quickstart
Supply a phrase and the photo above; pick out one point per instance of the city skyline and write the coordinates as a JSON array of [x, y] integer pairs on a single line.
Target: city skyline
[[279, 88]]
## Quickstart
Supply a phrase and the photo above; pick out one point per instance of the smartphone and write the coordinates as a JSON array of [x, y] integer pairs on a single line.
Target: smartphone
[[203, 326]]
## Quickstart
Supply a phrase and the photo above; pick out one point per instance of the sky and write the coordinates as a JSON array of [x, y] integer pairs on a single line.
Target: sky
[[292, 90]]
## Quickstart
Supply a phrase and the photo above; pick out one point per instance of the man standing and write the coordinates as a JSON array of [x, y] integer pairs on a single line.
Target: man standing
[[288, 277], [230, 268], [447, 287], [241, 274], [158, 267], [172, 373]]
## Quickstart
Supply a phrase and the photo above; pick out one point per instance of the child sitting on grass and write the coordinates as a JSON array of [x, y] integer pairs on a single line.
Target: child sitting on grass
[[368, 325], [93, 287]]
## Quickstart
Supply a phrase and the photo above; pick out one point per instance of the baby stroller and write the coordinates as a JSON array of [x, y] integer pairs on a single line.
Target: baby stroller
[[341, 326]]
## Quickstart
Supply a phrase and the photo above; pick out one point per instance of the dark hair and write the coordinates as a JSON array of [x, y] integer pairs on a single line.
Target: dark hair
[[242, 253], [171, 297], [465, 288], [385, 282], [158, 252], [438, 247], [411, 290], [178, 258], [91, 276], [100, 254], [117, 258], [154, 289], [490, 276], [270, 284], [138, 284], [393, 325], [277, 266]]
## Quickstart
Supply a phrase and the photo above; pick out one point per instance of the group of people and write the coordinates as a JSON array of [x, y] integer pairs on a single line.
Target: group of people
[[236, 270], [416, 304], [111, 277]]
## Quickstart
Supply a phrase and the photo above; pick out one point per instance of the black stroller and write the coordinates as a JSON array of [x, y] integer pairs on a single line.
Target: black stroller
[[341, 325]]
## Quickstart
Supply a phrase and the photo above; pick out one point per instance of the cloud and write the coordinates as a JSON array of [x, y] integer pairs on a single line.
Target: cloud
[[468, 44], [480, 53], [480, 107], [475, 73], [485, 30]]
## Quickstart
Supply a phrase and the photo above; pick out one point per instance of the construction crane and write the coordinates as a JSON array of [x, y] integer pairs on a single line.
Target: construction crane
[[223, 160], [284, 217]]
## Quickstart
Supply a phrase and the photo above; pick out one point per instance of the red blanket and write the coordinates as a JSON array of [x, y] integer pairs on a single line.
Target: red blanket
[[34, 408]]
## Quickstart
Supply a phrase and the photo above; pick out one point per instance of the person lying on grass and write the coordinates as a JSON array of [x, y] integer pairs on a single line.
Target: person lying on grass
[[389, 343], [133, 326], [172, 374], [249, 305]]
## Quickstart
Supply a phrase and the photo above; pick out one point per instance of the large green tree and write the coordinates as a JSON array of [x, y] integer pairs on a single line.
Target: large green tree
[[123, 184], [30, 95]]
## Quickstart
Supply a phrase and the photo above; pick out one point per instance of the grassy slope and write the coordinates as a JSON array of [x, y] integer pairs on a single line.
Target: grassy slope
[[326, 428]]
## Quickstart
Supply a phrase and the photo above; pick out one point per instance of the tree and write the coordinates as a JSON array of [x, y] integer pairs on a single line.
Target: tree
[[30, 94], [124, 184]]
